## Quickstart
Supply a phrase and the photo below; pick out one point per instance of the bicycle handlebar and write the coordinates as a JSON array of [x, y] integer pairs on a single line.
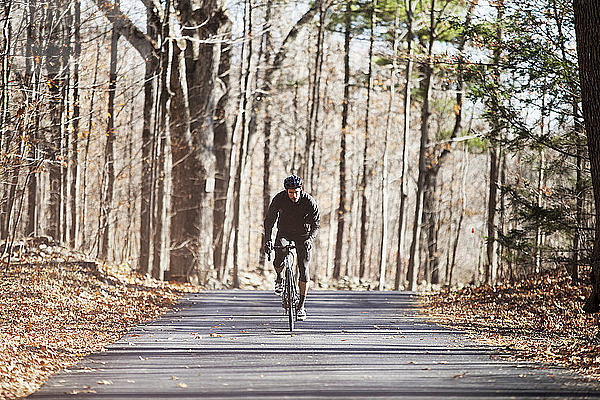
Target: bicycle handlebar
[[288, 247]]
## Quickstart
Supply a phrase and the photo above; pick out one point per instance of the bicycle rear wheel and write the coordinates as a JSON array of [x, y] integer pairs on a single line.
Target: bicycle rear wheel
[[291, 303]]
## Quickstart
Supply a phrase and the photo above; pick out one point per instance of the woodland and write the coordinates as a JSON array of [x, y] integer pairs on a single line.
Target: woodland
[[447, 142]]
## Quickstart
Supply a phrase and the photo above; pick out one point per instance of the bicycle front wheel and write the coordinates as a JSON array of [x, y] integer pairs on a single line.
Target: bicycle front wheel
[[291, 303]]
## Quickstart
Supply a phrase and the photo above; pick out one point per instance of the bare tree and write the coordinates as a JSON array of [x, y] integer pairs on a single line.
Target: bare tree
[[364, 183], [109, 151], [337, 270], [413, 262], [243, 138], [405, 133]]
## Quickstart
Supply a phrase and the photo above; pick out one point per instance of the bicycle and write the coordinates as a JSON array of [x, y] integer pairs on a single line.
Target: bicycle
[[290, 296]]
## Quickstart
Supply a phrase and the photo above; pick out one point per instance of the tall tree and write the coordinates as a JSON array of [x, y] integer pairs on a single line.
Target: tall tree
[[405, 132], [413, 261], [365, 167], [109, 151], [439, 153], [191, 124], [154, 17], [337, 270], [56, 80], [74, 191], [5, 142], [223, 146], [587, 28], [268, 120], [314, 103], [32, 77], [493, 153], [384, 168], [242, 156]]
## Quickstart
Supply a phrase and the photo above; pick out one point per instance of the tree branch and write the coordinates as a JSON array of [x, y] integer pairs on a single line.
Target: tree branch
[[156, 8], [291, 36], [126, 28]]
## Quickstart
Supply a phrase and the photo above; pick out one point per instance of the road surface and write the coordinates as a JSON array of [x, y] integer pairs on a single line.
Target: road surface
[[354, 345]]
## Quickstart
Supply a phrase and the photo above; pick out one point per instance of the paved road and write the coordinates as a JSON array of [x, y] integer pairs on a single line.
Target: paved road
[[355, 345]]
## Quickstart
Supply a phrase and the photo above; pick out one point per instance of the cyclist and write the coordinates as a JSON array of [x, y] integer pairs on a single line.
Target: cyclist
[[299, 221]]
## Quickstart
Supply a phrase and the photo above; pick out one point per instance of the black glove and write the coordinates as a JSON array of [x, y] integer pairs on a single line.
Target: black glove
[[308, 245], [268, 248]]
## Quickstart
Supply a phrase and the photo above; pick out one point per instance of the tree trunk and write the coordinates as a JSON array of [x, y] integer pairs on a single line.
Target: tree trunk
[[148, 125], [66, 22], [223, 144], [384, 168], [75, 210], [12, 168], [32, 72], [413, 261], [539, 235], [449, 229], [243, 144], [192, 142], [364, 183], [578, 132], [55, 84], [185, 189], [126, 253], [159, 215], [337, 270], [384, 182], [587, 28], [314, 100], [463, 202], [431, 215], [405, 132], [580, 194], [491, 260], [502, 225], [491, 215], [109, 152], [160, 171], [87, 149]]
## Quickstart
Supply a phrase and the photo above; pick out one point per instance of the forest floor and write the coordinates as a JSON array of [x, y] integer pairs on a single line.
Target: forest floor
[[537, 319], [56, 306]]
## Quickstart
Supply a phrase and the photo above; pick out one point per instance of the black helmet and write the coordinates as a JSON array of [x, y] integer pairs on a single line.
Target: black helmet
[[292, 182]]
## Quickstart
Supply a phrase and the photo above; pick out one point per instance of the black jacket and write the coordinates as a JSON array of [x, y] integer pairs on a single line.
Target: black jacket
[[299, 220]]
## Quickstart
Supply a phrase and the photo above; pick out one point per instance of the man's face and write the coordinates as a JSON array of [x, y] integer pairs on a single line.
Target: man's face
[[294, 194]]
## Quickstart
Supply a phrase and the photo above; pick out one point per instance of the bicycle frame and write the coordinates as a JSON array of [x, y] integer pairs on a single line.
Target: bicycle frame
[[290, 297]]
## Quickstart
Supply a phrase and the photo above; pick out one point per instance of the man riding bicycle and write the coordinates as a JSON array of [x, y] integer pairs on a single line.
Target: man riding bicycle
[[299, 221]]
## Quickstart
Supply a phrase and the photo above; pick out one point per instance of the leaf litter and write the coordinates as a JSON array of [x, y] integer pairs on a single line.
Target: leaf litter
[[539, 319], [57, 305]]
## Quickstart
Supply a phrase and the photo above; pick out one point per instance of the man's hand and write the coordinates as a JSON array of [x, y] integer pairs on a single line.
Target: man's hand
[[268, 248], [308, 245]]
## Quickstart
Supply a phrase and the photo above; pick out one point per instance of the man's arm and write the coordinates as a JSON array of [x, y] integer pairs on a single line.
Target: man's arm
[[315, 219], [270, 219]]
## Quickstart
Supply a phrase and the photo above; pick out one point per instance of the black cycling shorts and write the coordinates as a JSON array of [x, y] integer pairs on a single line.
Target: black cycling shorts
[[303, 256]]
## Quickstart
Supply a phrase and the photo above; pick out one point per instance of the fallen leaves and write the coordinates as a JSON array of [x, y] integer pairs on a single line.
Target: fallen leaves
[[54, 310], [538, 319]]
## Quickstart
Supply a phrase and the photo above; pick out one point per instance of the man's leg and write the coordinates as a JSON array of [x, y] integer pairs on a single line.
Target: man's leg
[[303, 278], [303, 286], [278, 264]]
